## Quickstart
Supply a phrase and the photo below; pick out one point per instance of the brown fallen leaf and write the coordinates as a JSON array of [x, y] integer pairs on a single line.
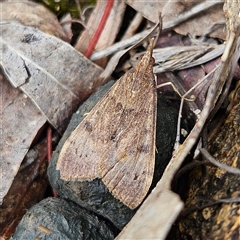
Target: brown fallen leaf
[[20, 121], [32, 14], [46, 68], [194, 17]]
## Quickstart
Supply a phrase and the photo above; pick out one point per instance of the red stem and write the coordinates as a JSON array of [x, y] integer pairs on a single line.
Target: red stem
[[100, 27], [49, 143]]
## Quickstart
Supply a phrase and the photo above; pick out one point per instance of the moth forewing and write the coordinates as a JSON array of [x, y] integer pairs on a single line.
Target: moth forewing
[[116, 140], [75, 162]]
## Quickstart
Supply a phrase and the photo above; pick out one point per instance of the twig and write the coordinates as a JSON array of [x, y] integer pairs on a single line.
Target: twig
[[133, 26], [223, 166], [120, 45], [177, 141], [196, 10], [210, 202]]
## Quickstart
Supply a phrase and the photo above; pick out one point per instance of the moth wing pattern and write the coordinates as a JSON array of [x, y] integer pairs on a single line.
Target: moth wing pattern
[[127, 166], [116, 140]]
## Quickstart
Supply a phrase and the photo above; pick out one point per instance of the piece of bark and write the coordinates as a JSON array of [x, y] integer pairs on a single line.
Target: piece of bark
[[221, 220], [33, 14]]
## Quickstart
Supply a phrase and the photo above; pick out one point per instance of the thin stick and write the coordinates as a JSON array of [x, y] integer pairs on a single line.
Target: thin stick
[[133, 26], [177, 141], [223, 166]]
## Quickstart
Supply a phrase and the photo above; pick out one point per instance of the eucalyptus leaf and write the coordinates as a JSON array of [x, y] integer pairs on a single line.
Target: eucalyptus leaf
[[48, 70]]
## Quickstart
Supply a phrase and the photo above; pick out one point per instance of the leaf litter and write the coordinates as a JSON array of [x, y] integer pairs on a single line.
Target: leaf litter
[[227, 63]]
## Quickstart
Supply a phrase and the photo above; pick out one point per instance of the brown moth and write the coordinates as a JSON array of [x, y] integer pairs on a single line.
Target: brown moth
[[116, 140]]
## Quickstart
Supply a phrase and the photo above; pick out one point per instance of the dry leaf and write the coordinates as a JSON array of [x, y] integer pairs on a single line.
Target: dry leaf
[[20, 122], [208, 19], [149, 9], [111, 29], [32, 14], [195, 17], [46, 68], [182, 57]]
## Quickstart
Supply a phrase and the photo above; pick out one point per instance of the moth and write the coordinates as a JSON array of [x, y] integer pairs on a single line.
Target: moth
[[116, 140]]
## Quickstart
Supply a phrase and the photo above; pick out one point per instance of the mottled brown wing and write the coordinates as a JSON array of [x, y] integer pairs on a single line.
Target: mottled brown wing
[[116, 140], [127, 165]]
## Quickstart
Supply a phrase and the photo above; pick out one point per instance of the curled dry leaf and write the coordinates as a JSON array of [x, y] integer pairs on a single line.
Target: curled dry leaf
[[32, 14]]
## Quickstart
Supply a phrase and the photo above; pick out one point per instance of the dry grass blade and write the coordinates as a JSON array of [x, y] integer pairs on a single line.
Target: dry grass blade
[[178, 58], [119, 46]]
